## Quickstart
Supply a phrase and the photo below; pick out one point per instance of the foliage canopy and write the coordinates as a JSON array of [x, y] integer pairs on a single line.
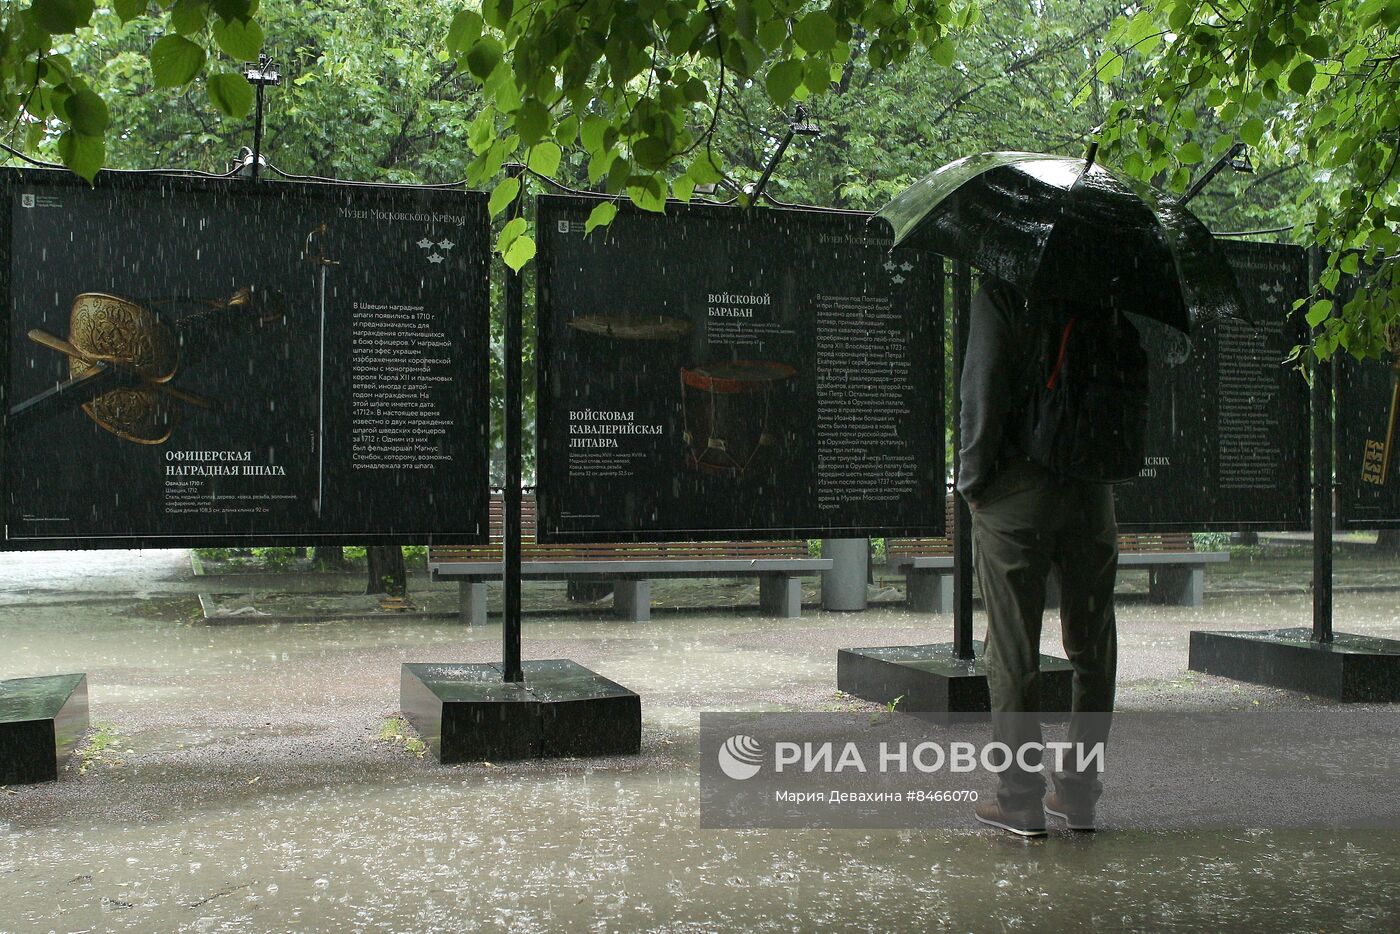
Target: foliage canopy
[[649, 99]]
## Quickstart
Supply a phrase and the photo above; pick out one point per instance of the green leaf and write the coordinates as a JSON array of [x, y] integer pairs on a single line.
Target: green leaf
[[241, 41], [653, 152], [1319, 312], [1252, 131], [1300, 79], [591, 133], [175, 61], [1110, 66], [497, 12], [531, 121], [772, 32], [520, 252], [87, 113], [618, 174], [513, 228], [783, 79], [1190, 154], [82, 154], [464, 31], [944, 52], [1180, 15], [61, 16], [601, 216], [1350, 264], [189, 16], [484, 56], [503, 194], [128, 10], [235, 9], [815, 32], [682, 187], [696, 91], [704, 171], [231, 93], [1142, 25], [647, 192], [544, 158], [566, 131]]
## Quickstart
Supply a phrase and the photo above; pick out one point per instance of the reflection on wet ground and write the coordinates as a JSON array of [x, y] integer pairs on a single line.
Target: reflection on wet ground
[[241, 781]]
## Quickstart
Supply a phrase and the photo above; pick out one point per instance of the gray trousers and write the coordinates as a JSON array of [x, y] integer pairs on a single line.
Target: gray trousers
[[1026, 521]]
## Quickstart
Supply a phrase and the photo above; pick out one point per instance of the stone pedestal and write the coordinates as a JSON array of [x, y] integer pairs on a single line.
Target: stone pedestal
[[1349, 668], [41, 722], [928, 679], [466, 713]]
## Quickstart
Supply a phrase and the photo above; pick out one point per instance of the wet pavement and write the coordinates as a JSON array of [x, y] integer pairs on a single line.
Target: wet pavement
[[249, 778]]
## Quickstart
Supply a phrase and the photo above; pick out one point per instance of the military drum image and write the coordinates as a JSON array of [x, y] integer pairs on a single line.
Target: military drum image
[[715, 373]]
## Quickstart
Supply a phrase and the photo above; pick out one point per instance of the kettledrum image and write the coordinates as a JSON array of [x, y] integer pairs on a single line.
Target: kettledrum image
[[728, 416]]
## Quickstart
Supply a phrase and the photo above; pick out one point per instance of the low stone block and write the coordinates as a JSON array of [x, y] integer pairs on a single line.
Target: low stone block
[[466, 713], [41, 722]]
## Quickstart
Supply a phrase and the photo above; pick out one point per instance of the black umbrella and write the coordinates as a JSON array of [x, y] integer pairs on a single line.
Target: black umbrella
[[1057, 227]]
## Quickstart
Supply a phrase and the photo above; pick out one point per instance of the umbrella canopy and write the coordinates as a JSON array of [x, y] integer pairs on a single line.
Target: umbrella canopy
[[1057, 227]]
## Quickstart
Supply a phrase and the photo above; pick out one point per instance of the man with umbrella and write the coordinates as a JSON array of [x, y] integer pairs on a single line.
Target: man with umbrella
[[1054, 409]]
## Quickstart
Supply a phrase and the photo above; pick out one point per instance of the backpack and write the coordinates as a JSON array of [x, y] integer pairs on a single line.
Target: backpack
[[1086, 415]]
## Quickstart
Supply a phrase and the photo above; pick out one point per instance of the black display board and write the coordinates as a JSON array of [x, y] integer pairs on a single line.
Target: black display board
[[238, 363], [716, 373], [1368, 434], [1228, 439]]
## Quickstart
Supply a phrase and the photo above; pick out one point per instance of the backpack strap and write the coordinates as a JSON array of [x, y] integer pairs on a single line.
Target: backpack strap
[[1060, 357]]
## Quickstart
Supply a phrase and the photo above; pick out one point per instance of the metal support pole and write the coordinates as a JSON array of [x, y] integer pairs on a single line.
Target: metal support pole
[[798, 126], [257, 130], [260, 76], [962, 517], [1322, 483], [1227, 159], [514, 402]]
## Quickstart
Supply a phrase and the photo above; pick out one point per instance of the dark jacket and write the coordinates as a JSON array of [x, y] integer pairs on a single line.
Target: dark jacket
[[1000, 347]]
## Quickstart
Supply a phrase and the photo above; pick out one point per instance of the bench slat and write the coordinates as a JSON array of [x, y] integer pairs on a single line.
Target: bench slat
[[535, 552]]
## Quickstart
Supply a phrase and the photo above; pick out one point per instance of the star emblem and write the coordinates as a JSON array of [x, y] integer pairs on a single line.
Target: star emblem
[[890, 266], [898, 280], [907, 266], [435, 258]]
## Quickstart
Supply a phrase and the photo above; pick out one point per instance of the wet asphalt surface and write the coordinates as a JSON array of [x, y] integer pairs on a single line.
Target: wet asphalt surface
[[246, 778]]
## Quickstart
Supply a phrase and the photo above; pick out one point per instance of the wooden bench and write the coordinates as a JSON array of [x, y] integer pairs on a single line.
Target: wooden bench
[[629, 567], [1176, 571]]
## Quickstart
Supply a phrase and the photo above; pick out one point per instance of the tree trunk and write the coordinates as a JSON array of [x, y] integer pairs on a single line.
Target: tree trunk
[[1388, 541], [387, 573], [330, 558]]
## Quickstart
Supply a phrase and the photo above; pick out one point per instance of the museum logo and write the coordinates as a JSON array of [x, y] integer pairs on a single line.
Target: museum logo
[[26, 201], [740, 757]]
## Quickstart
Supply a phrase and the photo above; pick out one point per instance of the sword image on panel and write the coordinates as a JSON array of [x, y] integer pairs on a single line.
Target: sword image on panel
[[123, 357], [1375, 461], [317, 239]]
